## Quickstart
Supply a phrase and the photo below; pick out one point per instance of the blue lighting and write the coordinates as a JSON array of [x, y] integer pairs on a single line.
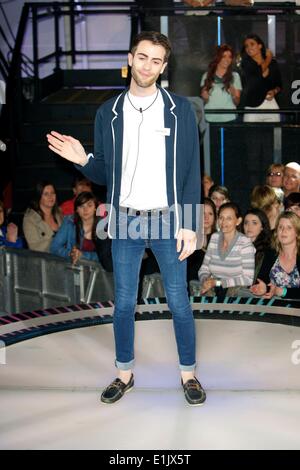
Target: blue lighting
[[222, 155]]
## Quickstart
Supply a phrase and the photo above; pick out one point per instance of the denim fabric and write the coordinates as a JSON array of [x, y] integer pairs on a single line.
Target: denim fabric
[[127, 257], [65, 240]]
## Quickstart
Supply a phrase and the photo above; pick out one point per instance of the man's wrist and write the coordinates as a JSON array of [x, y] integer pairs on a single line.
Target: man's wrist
[[85, 158]]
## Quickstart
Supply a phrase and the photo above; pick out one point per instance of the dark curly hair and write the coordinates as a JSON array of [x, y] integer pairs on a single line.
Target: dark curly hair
[[263, 240]]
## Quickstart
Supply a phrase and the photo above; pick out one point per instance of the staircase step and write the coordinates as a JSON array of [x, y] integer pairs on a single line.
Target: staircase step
[[69, 104], [92, 96]]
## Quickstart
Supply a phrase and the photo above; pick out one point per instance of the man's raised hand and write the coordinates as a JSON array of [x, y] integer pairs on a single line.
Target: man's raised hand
[[67, 147]]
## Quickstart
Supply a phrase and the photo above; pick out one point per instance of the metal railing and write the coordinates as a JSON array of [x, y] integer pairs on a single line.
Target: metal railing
[[38, 12], [31, 280]]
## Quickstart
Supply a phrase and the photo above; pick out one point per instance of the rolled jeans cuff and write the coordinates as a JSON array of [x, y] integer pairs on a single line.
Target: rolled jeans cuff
[[124, 365], [187, 368]]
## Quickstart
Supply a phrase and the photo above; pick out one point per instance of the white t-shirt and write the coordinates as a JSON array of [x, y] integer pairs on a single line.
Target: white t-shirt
[[143, 182]]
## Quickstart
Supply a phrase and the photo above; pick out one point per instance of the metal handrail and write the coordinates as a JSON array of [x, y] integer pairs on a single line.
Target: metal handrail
[[269, 6], [118, 8], [84, 275]]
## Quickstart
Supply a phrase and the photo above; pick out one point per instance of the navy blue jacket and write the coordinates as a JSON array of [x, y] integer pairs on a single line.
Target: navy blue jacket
[[182, 155]]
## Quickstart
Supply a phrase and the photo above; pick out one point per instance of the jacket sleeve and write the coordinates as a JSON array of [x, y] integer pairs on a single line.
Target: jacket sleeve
[[32, 234], [3, 240], [204, 272], [191, 197], [94, 169], [17, 244], [89, 256], [64, 240], [268, 261]]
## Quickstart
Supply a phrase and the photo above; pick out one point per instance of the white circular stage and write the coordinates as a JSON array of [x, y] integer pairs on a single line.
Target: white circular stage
[[51, 385]]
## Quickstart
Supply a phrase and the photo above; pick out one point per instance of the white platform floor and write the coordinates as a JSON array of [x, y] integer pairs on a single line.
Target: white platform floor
[[50, 389]]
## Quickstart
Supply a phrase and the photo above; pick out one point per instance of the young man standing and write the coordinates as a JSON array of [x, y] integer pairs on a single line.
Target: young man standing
[[147, 153]]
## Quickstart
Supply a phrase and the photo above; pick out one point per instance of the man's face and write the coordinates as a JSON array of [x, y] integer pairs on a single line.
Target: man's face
[[147, 63], [291, 180], [81, 187]]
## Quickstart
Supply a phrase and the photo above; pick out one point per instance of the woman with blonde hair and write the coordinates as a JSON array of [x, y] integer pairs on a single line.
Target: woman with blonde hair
[[275, 175], [265, 198], [280, 271]]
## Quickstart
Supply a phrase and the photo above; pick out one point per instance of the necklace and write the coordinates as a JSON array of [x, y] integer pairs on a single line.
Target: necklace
[[140, 110]]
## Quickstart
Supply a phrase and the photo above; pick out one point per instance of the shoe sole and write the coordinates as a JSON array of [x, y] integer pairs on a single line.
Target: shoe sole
[[116, 401], [190, 403], [194, 404]]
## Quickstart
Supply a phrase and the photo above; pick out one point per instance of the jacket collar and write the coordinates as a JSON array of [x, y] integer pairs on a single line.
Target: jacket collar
[[118, 103]]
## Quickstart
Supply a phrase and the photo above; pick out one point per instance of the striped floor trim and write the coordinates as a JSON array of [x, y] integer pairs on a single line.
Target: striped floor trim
[[22, 326]]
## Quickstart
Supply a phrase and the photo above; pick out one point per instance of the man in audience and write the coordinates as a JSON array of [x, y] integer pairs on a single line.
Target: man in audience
[[291, 178], [80, 185]]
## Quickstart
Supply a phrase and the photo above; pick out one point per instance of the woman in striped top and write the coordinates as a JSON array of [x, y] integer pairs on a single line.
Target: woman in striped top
[[229, 260]]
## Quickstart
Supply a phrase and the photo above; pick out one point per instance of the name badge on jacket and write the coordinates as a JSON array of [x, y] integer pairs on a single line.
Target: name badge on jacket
[[165, 131]]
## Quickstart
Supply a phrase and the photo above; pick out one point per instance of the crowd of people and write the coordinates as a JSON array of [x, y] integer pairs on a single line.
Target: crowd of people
[[257, 253], [67, 230]]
